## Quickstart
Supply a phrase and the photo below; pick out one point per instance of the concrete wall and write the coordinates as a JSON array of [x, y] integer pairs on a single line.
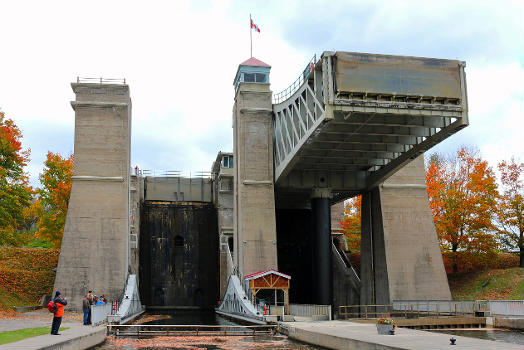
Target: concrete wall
[[401, 258], [177, 189], [94, 254], [254, 216]]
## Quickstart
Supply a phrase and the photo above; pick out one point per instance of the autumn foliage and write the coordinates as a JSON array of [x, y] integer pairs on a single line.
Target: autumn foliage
[[27, 273], [510, 209], [351, 223], [15, 192], [56, 183], [462, 194]]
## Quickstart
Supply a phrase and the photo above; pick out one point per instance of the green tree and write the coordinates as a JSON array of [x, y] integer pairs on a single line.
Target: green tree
[[56, 183], [15, 192], [511, 206]]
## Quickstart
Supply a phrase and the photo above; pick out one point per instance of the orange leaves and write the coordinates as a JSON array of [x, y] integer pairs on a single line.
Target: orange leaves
[[511, 206], [54, 196], [462, 194], [351, 223], [15, 192], [27, 272]]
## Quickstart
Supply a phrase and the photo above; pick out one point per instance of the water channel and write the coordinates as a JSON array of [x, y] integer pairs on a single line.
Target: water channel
[[277, 342]]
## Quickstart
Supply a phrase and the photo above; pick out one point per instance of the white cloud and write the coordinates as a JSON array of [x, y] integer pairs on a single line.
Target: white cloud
[[180, 58]]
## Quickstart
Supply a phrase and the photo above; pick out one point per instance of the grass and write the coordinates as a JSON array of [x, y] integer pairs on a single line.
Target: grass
[[12, 336], [505, 284], [10, 300]]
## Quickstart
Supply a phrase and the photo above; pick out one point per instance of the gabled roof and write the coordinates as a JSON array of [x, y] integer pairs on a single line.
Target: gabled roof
[[253, 62], [265, 273]]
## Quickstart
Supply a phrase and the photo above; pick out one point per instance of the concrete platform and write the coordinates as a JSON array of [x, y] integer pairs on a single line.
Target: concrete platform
[[350, 335], [77, 337]]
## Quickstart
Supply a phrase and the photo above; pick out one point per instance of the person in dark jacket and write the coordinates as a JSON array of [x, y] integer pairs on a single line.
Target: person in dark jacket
[[59, 312], [86, 308]]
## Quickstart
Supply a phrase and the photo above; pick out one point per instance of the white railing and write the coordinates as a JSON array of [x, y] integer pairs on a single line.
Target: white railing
[[99, 313], [506, 307], [309, 310], [441, 306]]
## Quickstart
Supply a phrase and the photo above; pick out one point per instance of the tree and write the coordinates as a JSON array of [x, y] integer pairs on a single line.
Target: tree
[[462, 196], [351, 223], [511, 206], [56, 183], [15, 192]]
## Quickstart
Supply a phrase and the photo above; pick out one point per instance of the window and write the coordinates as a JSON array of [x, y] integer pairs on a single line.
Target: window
[[255, 78], [227, 162]]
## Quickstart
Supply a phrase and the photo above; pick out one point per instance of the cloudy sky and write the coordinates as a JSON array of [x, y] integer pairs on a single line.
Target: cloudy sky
[[180, 57]]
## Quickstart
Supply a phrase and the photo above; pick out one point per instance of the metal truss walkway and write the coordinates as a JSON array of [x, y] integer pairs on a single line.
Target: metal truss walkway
[[352, 119]]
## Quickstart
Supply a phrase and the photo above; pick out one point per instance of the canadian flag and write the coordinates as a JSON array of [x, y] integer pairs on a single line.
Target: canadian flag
[[254, 26]]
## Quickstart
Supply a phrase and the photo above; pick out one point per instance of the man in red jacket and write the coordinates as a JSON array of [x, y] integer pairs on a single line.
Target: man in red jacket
[[59, 312]]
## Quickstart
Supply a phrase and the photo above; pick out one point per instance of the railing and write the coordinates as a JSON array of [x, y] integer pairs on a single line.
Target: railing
[[100, 80], [99, 313], [418, 308], [290, 90], [173, 173], [191, 330], [309, 310], [506, 307], [442, 306]]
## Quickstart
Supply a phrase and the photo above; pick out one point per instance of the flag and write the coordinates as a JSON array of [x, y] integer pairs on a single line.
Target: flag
[[254, 26]]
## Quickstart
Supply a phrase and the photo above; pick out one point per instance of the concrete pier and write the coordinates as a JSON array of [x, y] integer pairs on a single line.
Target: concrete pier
[[350, 335]]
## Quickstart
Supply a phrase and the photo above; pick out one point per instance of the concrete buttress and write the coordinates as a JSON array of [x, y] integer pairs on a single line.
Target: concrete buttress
[[95, 244], [400, 259]]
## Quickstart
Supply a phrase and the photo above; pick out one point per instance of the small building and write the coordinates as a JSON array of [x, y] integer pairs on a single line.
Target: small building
[[266, 281], [252, 71]]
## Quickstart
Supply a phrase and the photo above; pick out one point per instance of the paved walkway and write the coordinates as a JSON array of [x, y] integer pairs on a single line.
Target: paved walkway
[[351, 335], [76, 337]]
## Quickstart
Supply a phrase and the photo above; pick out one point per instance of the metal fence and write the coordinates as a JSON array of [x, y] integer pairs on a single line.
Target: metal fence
[[309, 310], [99, 313], [456, 307], [290, 90], [416, 308], [100, 80], [506, 307]]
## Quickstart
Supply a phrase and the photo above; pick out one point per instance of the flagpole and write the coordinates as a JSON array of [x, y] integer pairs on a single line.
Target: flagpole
[[250, 36]]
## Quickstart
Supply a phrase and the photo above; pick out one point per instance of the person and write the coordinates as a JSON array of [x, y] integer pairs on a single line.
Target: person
[[91, 299], [86, 308], [99, 301], [59, 312]]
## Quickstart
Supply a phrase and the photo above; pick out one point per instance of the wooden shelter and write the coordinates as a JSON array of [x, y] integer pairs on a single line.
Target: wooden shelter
[[269, 279]]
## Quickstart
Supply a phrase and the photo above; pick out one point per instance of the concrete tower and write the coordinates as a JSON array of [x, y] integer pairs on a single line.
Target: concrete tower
[[254, 223], [94, 254]]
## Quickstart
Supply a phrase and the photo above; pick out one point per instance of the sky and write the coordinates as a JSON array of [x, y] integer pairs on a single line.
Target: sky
[[180, 57]]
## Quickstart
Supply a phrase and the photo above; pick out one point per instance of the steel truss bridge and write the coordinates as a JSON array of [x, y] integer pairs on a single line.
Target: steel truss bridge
[[352, 119]]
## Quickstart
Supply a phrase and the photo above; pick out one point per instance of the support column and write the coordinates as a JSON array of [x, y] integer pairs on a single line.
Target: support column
[[321, 245], [400, 255], [95, 244]]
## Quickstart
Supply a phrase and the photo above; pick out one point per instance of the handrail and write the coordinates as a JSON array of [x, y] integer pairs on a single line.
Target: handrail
[[100, 80], [290, 90]]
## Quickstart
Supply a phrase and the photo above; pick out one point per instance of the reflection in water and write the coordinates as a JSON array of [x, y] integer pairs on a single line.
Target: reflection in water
[[204, 342], [502, 335]]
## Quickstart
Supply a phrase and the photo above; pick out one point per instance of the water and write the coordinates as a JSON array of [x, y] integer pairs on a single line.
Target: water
[[277, 342], [501, 335]]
